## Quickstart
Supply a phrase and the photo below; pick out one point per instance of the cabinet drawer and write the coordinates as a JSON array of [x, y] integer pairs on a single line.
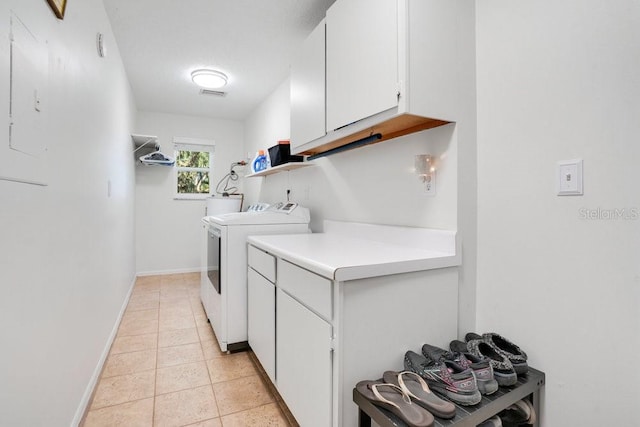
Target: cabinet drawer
[[262, 262], [310, 289]]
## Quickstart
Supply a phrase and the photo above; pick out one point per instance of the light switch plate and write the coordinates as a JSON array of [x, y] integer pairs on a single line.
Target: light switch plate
[[569, 178]]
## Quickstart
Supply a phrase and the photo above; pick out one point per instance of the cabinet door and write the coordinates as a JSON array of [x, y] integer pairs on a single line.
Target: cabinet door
[[308, 90], [362, 60], [304, 362], [261, 300]]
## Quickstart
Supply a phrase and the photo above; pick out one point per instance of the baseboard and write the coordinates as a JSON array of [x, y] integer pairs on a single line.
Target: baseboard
[[164, 272], [88, 393]]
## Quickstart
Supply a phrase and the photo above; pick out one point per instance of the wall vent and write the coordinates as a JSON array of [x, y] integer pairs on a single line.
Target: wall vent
[[213, 92]]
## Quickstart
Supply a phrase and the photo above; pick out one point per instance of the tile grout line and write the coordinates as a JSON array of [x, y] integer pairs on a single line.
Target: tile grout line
[[90, 406], [129, 373], [155, 380], [213, 392], [240, 378], [282, 407], [199, 342], [206, 365], [251, 409], [121, 403]]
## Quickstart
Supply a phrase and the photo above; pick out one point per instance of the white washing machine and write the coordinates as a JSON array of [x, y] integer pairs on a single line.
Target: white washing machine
[[223, 282]]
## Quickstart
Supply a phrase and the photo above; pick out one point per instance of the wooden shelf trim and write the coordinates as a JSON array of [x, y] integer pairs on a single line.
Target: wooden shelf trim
[[403, 124]]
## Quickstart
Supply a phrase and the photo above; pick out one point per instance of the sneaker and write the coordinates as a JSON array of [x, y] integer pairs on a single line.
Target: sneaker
[[479, 365], [516, 356], [446, 377], [516, 414], [503, 371], [533, 417], [494, 421]]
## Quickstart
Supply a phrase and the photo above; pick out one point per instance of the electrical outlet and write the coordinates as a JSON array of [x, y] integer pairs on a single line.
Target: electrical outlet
[[429, 181]]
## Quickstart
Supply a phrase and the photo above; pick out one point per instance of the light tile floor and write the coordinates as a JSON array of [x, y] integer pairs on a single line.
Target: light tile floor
[[165, 367]]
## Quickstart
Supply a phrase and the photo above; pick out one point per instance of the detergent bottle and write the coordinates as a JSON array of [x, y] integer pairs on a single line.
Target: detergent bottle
[[260, 162]]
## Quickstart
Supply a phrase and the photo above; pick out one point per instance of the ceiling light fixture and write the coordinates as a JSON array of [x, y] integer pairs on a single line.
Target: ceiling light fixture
[[209, 79]]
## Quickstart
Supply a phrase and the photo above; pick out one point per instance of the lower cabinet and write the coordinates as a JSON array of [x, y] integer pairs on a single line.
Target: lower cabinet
[[262, 321], [304, 362], [317, 337]]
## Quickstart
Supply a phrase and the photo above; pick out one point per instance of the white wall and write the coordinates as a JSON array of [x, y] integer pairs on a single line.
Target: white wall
[[67, 249], [374, 184], [467, 165], [556, 81], [168, 231]]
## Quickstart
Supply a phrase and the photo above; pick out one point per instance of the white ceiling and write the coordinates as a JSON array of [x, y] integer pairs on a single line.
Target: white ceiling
[[252, 42]]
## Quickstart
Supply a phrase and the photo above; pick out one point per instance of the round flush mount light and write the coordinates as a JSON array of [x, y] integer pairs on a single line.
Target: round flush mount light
[[209, 79]]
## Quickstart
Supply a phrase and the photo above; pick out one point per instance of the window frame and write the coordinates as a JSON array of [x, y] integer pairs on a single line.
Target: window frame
[[193, 144]]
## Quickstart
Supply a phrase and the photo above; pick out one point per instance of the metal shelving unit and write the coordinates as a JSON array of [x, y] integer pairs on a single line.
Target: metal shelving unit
[[528, 386]]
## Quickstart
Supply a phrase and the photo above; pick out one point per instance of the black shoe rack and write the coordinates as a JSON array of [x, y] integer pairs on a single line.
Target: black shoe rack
[[528, 386]]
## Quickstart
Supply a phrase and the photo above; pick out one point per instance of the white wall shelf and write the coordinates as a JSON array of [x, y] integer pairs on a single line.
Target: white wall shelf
[[279, 168], [146, 143], [141, 139]]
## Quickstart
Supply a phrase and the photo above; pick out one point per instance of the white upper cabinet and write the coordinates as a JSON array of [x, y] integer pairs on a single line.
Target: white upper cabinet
[[393, 67], [308, 90], [362, 60]]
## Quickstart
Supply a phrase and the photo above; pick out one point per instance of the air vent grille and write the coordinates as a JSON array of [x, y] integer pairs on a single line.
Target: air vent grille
[[213, 92]]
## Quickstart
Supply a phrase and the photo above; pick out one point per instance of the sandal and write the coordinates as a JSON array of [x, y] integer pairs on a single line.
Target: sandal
[[418, 390], [392, 398]]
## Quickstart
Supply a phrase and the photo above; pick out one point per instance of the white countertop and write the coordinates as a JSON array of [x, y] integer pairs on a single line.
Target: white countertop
[[344, 255]]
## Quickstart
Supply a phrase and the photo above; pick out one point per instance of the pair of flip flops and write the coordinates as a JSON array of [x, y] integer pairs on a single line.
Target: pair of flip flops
[[408, 396]]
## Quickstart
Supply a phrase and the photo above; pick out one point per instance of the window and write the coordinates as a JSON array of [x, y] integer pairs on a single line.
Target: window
[[193, 167]]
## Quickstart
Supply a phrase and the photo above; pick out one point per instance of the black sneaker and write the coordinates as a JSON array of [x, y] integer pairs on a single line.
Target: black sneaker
[[503, 370], [494, 421], [515, 415], [446, 377], [516, 356], [480, 366]]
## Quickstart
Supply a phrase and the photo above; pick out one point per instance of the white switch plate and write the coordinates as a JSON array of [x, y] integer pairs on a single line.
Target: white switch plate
[[569, 178]]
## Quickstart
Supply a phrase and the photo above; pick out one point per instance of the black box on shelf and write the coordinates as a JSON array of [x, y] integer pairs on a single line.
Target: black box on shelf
[[281, 153]]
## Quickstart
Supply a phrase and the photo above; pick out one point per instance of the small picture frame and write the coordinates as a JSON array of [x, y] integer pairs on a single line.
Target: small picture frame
[[58, 7]]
